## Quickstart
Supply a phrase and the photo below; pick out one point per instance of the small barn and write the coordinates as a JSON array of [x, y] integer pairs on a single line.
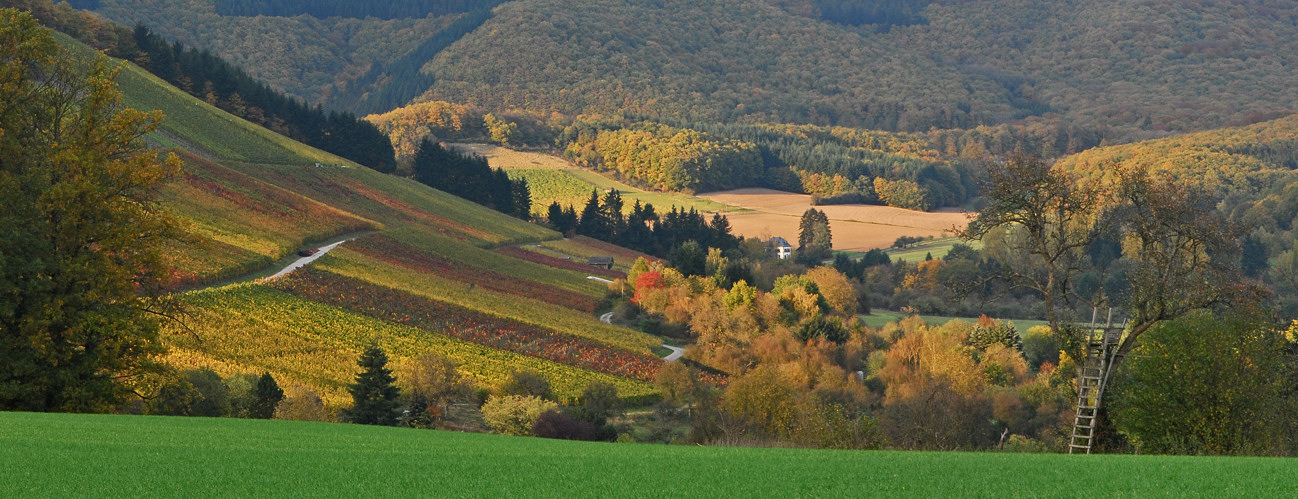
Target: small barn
[[601, 261]]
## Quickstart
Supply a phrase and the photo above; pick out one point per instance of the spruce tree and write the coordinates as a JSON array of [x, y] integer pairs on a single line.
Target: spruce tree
[[374, 397], [266, 396]]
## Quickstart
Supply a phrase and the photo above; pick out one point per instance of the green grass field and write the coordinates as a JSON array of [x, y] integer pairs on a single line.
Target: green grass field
[[131, 456], [937, 247], [879, 318]]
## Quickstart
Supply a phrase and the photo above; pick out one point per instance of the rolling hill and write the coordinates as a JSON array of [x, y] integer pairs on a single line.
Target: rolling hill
[[422, 271], [1130, 68]]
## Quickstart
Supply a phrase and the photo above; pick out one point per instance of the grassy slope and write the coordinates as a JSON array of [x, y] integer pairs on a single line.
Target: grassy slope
[[91, 455], [192, 122]]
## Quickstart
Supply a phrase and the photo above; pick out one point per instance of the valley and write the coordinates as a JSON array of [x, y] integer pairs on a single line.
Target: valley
[[753, 212], [1020, 229]]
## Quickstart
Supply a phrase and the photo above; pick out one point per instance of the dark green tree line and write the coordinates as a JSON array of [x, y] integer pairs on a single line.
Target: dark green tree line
[[208, 77], [469, 176]]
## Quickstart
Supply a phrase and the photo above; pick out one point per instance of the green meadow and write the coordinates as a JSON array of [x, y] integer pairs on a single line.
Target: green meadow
[[130, 456]]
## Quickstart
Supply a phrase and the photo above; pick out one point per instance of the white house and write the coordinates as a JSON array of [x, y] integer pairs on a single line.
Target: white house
[[781, 247]]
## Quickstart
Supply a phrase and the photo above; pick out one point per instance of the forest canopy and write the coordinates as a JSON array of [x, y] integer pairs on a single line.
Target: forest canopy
[[393, 9]]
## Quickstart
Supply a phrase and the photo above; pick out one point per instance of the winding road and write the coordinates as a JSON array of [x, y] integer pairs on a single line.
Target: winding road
[[607, 318], [676, 354], [302, 262]]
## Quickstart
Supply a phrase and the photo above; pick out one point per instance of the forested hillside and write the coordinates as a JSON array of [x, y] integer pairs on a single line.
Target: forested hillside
[[1127, 69], [304, 56], [395, 9], [1250, 172]]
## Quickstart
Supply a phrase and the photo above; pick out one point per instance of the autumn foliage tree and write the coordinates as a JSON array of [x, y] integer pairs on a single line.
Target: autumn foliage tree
[[80, 258]]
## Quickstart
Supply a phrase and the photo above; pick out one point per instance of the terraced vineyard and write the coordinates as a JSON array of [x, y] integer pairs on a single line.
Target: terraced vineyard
[[563, 263], [255, 328], [457, 322], [504, 305], [585, 247], [553, 186]]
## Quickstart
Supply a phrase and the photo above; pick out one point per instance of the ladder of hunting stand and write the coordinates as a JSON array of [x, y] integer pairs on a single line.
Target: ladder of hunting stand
[[1091, 378]]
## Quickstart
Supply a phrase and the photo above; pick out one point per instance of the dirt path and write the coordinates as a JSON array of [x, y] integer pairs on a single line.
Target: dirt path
[[676, 354]]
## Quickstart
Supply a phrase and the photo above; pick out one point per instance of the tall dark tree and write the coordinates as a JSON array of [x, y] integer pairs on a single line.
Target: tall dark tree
[[637, 234], [374, 396], [470, 177], [592, 222], [722, 237], [80, 258], [522, 198], [689, 258], [562, 219], [611, 209], [815, 242], [266, 396]]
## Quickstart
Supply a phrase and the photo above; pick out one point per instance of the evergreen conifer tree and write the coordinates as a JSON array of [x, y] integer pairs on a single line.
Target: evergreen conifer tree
[[374, 397], [266, 396]]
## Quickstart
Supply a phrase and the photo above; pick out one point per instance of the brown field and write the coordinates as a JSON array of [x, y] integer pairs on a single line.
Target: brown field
[[855, 227], [773, 213], [500, 157]]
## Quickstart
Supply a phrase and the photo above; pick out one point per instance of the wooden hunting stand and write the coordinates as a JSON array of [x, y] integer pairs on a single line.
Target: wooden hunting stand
[[1092, 378]]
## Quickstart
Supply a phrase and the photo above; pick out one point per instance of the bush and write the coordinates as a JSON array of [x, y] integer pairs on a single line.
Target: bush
[[556, 423], [1040, 346], [527, 383], [195, 392], [514, 414], [302, 404], [1207, 385], [241, 387]]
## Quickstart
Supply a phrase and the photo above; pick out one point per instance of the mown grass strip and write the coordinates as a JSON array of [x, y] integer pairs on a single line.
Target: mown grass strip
[[880, 318], [131, 456]]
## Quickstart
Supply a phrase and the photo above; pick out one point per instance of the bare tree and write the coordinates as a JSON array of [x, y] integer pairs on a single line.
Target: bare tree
[[1053, 217], [1184, 254]]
